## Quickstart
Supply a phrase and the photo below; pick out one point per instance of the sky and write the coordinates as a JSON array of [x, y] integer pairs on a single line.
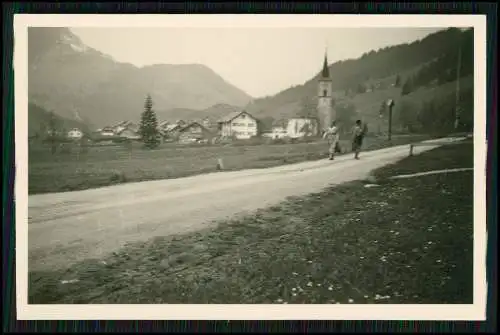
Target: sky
[[260, 61]]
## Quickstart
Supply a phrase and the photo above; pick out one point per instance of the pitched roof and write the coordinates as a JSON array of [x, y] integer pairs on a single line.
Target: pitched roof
[[170, 127], [233, 115], [193, 124], [325, 73]]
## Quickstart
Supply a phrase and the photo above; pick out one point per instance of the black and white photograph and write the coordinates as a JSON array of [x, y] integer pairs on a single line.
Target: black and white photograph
[[328, 162]]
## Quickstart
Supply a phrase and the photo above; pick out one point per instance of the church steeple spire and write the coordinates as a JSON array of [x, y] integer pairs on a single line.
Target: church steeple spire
[[325, 73]]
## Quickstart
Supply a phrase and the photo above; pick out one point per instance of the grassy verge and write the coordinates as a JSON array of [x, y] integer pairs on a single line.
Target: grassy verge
[[114, 165], [405, 241]]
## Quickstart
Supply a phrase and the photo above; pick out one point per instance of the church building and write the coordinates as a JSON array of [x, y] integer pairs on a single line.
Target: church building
[[326, 112]]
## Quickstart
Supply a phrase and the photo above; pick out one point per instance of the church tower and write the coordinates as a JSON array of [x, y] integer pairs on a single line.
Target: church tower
[[325, 99]]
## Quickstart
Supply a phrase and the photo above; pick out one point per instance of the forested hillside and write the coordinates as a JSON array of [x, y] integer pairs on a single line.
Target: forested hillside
[[361, 85]]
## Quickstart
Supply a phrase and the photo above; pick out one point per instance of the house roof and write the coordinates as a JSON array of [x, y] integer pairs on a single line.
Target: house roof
[[233, 115], [128, 126], [163, 123], [171, 127], [121, 124], [192, 124]]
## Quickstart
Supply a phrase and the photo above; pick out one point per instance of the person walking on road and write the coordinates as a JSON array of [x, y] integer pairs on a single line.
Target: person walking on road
[[332, 135], [358, 133]]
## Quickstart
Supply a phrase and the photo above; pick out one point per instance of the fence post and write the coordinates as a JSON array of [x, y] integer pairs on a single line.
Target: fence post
[[411, 149]]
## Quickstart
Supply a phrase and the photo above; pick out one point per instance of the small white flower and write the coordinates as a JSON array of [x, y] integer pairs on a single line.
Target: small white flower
[[429, 243], [397, 233], [351, 301], [361, 257], [366, 297], [294, 294], [294, 289], [279, 300], [295, 273], [438, 261], [330, 288], [309, 284], [309, 262], [318, 285]]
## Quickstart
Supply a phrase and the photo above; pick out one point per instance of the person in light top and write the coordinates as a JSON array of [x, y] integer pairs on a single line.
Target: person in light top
[[332, 135]]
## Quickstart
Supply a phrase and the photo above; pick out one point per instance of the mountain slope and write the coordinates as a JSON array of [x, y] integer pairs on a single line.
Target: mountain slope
[[437, 53], [39, 120], [79, 82]]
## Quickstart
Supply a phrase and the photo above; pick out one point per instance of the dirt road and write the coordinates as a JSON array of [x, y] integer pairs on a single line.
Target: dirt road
[[65, 228]]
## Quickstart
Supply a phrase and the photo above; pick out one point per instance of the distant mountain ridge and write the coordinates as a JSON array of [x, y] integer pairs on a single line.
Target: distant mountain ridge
[[79, 82], [439, 49], [108, 92]]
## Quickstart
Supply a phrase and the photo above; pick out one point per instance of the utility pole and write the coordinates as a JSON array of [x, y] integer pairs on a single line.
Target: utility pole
[[390, 104], [457, 93]]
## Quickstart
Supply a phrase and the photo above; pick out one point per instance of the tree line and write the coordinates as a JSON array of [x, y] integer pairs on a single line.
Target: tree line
[[436, 115]]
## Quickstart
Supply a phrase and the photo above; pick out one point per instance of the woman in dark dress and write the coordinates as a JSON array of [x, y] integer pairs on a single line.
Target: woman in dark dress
[[357, 138]]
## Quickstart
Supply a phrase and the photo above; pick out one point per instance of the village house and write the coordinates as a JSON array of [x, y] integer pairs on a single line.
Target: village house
[[194, 132], [162, 125], [129, 131], [238, 124], [276, 132], [106, 131], [170, 131], [302, 127], [75, 134], [120, 127]]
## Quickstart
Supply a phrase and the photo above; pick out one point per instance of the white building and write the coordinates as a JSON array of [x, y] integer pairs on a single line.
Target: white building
[[276, 133], [75, 134], [302, 127], [241, 125]]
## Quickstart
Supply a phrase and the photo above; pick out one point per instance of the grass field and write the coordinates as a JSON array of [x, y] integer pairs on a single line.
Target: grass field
[[405, 241], [103, 166]]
